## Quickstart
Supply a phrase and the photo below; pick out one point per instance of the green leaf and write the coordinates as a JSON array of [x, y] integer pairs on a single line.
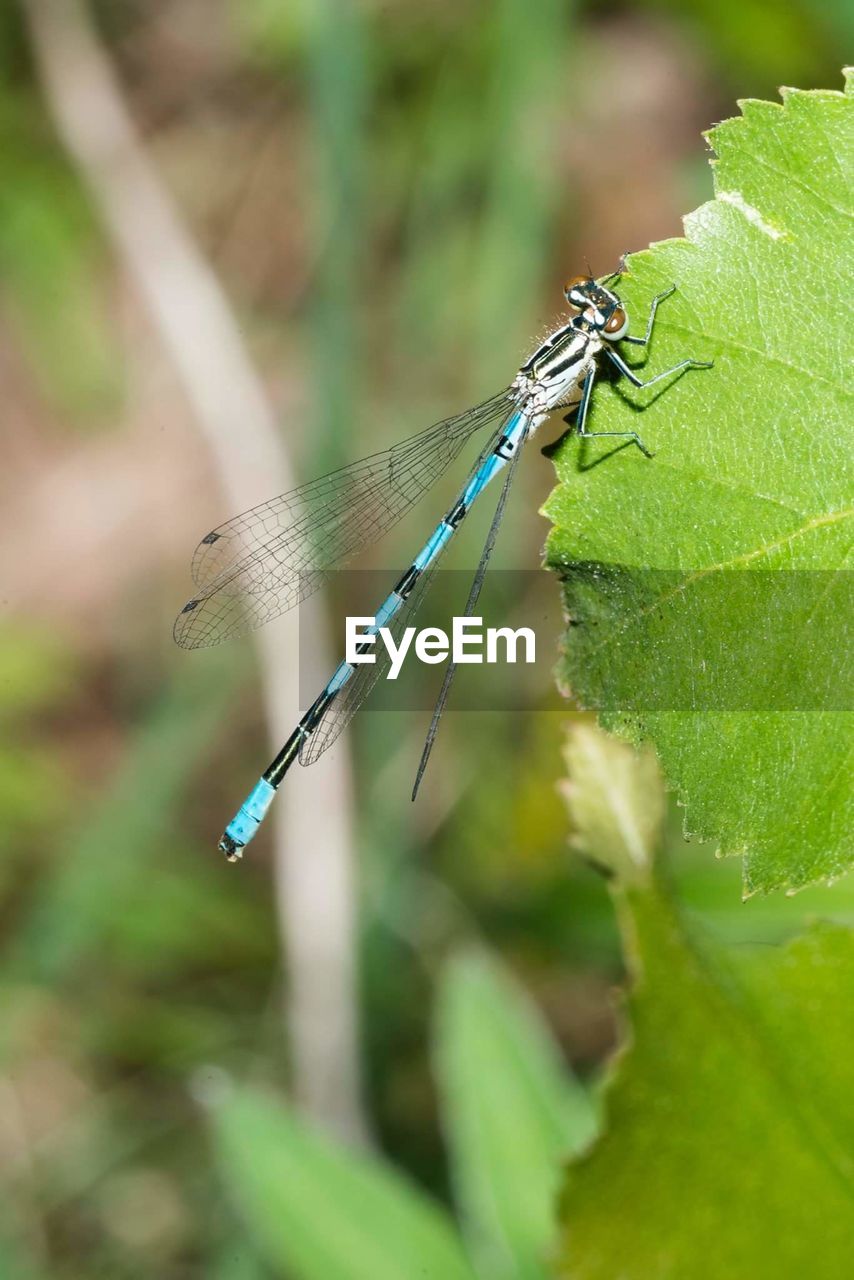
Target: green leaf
[[730, 1129], [738, 675], [319, 1212], [512, 1113], [728, 1135]]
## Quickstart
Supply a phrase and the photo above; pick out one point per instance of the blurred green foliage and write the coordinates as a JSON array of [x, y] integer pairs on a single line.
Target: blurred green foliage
[[764, 44], [52, 264], [709, 1024], [511, 1114], [36, 678], [726, 1145], [436, 180]]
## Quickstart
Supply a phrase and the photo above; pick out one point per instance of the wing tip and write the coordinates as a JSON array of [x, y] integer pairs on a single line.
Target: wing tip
[[182, 629]]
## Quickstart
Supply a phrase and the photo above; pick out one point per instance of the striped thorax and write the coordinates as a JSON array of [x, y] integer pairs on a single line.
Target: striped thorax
[[553, 375]]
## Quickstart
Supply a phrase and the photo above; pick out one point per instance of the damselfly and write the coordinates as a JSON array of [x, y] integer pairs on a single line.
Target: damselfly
[[258, 565]]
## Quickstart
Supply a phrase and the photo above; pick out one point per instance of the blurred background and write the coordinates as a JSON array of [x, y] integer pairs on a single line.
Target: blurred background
[[241, 242]]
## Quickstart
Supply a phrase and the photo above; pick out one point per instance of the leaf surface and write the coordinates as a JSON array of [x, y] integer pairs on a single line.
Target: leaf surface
[[708, 611]]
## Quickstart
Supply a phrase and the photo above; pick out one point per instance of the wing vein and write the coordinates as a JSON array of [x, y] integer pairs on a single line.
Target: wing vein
[[262, 562]]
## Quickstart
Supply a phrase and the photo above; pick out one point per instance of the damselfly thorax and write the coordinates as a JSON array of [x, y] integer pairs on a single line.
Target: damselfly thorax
[[553, 377]]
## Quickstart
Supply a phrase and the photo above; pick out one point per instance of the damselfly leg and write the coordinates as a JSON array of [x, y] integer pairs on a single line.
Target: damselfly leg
[[580, 425], [628, 372], [650, 320]]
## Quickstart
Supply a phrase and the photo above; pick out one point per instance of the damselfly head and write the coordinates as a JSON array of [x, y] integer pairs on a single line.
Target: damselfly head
[[601, 308], [577, 291]]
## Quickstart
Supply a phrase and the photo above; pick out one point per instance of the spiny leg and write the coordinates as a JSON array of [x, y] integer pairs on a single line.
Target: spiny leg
[[627, 372], [659, 297], [586, 391]]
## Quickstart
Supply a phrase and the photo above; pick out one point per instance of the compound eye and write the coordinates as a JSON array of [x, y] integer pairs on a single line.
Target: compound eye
[[617, 323], [577, 284]]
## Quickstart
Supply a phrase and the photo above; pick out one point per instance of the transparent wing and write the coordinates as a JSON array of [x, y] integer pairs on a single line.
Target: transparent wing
[[259, 564], [346, 703]]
